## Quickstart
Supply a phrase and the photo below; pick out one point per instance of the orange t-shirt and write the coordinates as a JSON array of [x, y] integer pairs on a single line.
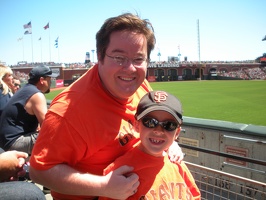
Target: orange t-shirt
[[159, 178], [86, 128]]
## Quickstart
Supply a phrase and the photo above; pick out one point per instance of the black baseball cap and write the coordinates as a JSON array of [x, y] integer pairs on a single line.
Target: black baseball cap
[[159, 100], [41, 71]]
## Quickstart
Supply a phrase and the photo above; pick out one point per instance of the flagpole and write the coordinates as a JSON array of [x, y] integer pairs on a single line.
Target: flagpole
[[58, 56], [31, 48], [31, 43], [56, 46], [58, 50], [28, 28], [21, 39], [23, 48], [41, 49], [49, 42], [199, 49]]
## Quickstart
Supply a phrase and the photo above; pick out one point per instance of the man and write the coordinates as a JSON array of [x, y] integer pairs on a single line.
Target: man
[[90, 123], [25, 111], [16, 84]]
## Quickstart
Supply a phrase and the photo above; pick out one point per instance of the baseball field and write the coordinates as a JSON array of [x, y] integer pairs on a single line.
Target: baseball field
[[234, 101]]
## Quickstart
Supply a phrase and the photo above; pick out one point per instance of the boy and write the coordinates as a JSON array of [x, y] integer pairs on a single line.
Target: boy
[[158, 120]]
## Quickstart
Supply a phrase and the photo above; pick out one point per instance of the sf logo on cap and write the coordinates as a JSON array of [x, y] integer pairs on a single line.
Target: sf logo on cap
[[160, 96]]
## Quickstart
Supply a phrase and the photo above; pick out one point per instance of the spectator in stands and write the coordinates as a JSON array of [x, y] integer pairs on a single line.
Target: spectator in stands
[[158, 121], [6, 78], [11, 167], [25, 111], [89, 124], [15, 85]]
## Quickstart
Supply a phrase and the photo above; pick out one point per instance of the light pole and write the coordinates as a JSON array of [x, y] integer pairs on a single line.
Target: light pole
[[92, 51], [159, 55], [199, 49], [179, 54]]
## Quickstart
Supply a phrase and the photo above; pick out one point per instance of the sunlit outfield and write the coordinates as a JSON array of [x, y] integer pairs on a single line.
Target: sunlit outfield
[[234, 101]]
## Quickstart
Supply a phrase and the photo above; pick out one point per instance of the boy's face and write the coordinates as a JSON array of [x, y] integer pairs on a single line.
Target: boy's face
[[155, 140]]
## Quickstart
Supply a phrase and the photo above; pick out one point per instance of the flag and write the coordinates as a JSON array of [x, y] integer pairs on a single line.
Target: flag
[[40, 38], [264, 38], [56, 42], [21, 38], [27, 32], [28, 25], [47, 26]]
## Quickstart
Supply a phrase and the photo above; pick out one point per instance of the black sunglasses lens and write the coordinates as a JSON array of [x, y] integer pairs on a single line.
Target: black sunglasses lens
[[149, 122], [169, 126], [152, 123]]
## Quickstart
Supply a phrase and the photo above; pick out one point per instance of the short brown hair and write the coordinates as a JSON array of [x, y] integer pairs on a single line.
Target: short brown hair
[[128, 22]]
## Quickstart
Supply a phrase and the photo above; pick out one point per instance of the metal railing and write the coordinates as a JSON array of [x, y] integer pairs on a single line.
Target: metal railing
[[227, 155], [218, 185]]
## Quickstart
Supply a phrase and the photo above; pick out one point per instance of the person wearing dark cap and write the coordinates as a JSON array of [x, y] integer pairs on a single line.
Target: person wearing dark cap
[[158, 121], [25, 112]]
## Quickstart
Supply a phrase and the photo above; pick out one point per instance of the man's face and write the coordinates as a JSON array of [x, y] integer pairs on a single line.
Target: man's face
[[46, 84], [122, 80], [16, 85]]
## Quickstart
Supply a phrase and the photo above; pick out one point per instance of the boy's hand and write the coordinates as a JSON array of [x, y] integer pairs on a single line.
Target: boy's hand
[[175, 153]]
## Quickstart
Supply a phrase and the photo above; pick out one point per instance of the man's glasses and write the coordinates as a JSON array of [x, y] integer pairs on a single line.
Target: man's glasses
[[123, 60], [152, 123], [17, 85]]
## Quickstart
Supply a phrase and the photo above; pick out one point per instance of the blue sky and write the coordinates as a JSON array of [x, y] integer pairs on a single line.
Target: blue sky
[[228, 29]]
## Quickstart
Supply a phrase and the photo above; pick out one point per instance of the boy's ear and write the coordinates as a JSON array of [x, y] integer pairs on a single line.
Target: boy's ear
[[136, 125], [178, 130]]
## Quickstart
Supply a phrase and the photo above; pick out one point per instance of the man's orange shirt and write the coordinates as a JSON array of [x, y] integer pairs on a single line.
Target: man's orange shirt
[[86, 128]]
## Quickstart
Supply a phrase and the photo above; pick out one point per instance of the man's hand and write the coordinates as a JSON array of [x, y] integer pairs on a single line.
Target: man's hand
[[175, 153], [122, 183], [11, 165]]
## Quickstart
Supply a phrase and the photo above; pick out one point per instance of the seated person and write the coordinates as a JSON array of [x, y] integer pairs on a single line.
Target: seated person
[[6, 80], [25, 111], [11, 167], [15, 85]]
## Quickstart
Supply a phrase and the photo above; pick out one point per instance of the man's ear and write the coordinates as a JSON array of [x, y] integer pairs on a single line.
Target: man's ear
[[41, 80]]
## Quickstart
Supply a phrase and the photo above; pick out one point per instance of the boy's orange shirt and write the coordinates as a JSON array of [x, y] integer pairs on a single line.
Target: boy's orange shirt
[[159, 178]]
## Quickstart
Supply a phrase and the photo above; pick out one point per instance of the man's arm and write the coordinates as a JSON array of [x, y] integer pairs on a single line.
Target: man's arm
[[37, 106], [66, 180]]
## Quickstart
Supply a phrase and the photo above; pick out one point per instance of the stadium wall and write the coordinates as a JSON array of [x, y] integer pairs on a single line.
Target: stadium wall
[[243, 140], [157, 71]]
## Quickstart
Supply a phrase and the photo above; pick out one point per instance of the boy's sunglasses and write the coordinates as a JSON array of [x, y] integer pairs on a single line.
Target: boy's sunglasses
[[150, 122]]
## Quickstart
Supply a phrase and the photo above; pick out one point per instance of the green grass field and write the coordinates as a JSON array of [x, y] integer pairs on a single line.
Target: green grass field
[[234, 101]]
